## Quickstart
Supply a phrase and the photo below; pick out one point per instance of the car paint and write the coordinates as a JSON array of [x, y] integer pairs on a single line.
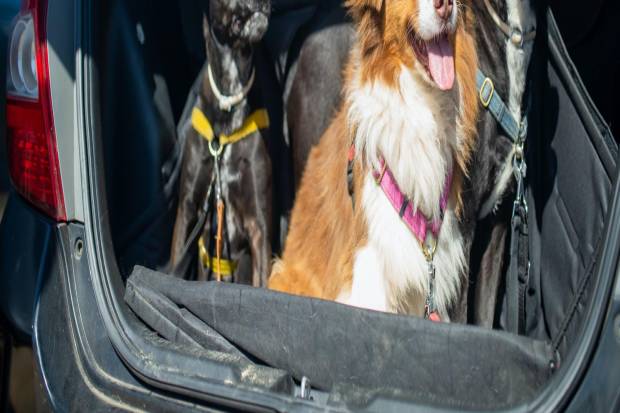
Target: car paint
[[64, 56]]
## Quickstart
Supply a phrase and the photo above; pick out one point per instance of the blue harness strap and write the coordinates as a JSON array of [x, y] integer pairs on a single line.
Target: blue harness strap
[[517, 274], [493, 102]]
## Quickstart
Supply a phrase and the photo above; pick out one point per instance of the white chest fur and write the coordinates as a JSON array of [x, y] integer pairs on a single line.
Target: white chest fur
[[415, 130]]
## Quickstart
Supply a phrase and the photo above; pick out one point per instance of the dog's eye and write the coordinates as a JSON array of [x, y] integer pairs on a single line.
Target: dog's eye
[[236, 25]]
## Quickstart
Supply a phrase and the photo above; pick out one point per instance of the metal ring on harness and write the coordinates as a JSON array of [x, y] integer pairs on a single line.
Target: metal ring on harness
[[215, 152], [429, 253]]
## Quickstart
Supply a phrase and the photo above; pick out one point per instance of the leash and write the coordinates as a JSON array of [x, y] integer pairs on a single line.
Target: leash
[[259, 119], [184, 263], [518, 268]]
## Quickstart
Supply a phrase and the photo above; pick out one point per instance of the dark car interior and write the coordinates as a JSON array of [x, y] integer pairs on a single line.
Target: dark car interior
[[148, 54]]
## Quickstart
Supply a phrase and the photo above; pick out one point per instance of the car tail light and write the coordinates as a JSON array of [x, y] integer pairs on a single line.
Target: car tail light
[[32, 150]]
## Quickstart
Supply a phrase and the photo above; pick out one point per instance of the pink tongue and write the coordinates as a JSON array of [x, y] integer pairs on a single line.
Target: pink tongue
[[441, 62]]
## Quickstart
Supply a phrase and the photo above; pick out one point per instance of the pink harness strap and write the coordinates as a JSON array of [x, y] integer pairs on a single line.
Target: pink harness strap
[[417, 222]]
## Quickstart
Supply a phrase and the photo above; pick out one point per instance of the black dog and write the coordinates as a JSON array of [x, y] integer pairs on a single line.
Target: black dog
[[313, 85], [505, 32], [224, 212]]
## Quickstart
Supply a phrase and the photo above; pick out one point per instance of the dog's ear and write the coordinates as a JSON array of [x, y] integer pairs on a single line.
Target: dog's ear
[[358, 8], [364, 4], [206, 29]]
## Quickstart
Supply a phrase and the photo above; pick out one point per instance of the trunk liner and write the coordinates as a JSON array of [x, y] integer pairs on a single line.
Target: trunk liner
[[345, 348]]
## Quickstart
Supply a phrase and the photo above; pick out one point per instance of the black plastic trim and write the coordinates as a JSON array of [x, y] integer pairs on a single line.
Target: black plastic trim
[[590, 116]]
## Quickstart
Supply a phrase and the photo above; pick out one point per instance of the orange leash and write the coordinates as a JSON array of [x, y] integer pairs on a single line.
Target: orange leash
[[218, 238]]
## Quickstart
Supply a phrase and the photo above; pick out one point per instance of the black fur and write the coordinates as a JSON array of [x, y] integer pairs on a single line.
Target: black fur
[[230, 31], [482, 295]]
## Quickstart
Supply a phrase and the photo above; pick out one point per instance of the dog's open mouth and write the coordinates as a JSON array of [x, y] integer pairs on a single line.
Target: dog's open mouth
[[437, 57]]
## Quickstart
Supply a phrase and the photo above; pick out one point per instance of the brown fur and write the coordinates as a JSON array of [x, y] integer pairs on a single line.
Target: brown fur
[[325, 231]]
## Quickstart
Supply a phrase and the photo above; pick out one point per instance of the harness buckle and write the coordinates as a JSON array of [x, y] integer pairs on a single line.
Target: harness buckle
[[520, 171], [486, 83]]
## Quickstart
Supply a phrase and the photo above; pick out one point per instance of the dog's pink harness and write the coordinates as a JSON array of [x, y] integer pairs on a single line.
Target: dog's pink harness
[[417, 222]]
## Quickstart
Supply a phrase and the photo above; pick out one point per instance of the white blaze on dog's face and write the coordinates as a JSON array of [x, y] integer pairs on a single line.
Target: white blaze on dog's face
[[431, 35]]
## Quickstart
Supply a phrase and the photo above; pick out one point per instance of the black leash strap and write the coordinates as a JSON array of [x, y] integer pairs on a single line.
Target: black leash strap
[[188, 253], [517, 277], [518, 273]]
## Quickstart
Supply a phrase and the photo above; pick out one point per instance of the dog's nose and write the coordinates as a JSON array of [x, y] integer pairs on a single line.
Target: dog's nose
[[443, 8]]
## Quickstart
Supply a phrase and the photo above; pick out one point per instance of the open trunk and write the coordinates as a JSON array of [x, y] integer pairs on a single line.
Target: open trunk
[[244, 347]]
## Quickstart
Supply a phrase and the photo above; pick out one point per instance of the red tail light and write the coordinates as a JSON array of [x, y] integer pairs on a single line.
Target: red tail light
[[33, 154]]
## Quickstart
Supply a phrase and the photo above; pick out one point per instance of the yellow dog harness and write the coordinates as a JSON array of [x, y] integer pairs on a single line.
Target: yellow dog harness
[[256, 121], [222, 266]]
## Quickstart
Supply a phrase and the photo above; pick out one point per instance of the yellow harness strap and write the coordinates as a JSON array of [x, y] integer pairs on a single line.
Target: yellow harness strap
[[226, 267], [259, 119]]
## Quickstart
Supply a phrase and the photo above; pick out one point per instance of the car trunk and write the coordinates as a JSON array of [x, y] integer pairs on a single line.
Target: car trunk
[[239, 346]]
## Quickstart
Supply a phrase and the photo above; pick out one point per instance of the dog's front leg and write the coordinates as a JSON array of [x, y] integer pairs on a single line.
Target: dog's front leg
[[368, 288], [258, 216], [260, 249], [258, 228]]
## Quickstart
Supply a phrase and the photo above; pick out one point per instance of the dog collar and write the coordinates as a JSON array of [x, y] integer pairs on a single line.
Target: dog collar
[[227, 102], [416, 221], [515, 34]]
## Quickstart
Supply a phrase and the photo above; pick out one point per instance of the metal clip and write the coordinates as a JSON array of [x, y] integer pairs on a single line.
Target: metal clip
[[305, 389], [216, 152], [429, 305], [520, 171]]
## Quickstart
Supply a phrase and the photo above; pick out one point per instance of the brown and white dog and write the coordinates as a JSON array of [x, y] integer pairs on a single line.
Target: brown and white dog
[[409, 110]]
